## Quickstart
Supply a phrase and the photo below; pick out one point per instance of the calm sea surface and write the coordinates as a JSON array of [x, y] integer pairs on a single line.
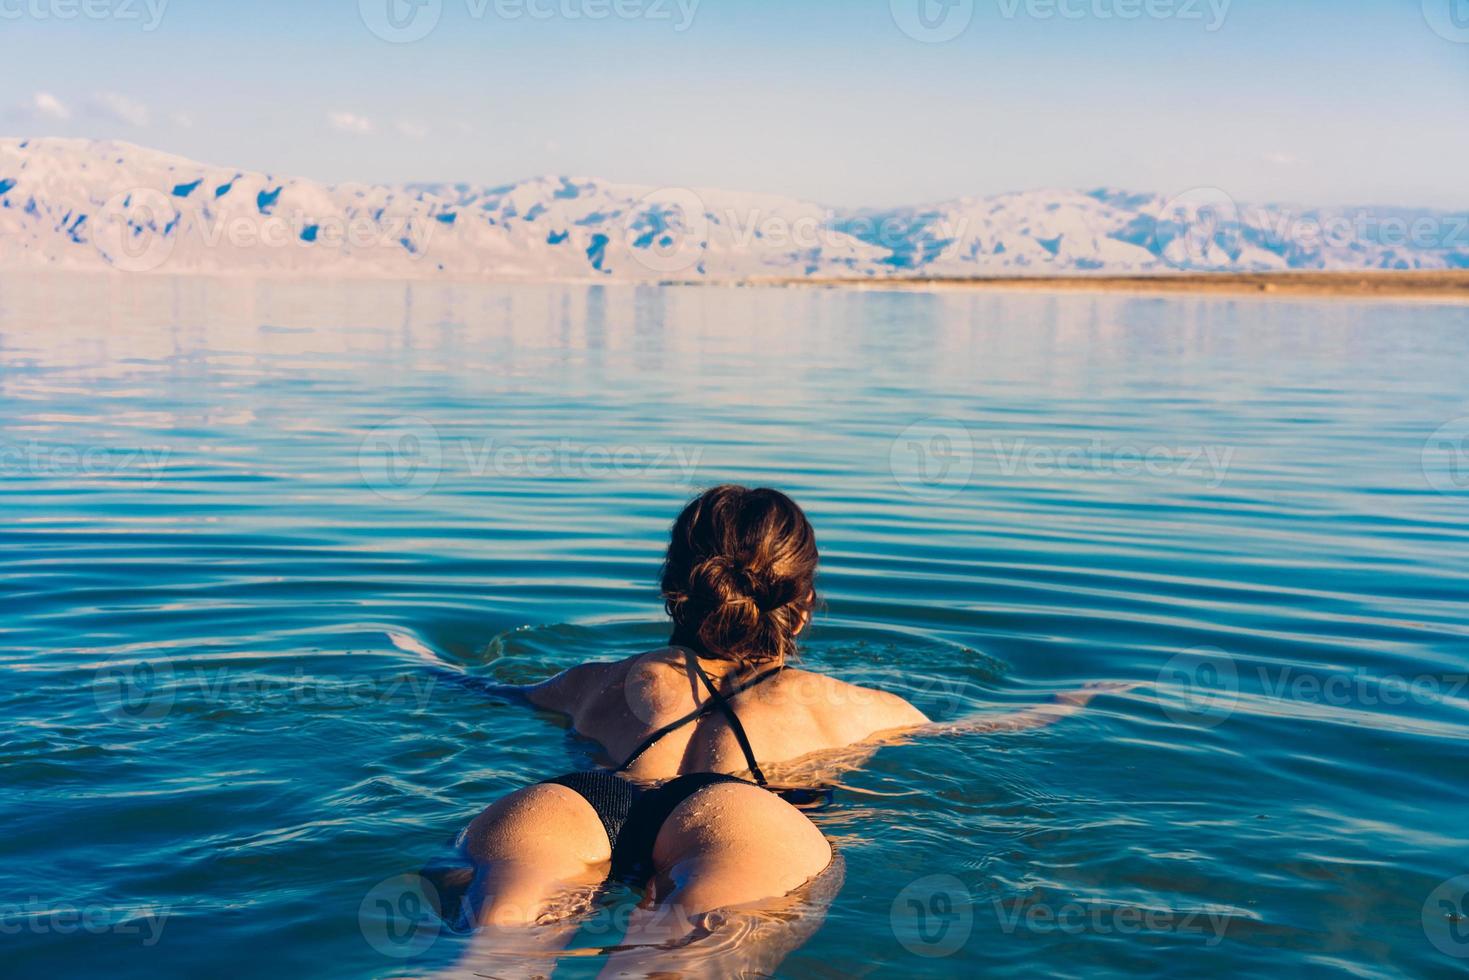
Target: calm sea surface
[[237, 517]]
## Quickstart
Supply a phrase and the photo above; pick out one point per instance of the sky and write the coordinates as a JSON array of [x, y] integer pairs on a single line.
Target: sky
[[845, 102]]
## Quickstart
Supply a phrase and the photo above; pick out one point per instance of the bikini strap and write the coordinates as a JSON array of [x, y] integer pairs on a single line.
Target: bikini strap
[[716, 702], [729, 712], [667, 729]]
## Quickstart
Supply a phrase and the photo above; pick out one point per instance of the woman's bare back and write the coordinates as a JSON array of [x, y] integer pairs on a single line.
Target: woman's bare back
[[790, 714]]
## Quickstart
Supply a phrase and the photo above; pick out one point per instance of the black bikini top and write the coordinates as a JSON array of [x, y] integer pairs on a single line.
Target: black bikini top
[[715, 702]]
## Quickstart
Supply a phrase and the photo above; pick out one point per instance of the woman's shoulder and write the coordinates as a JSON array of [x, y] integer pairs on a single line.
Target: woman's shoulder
[[847, 712]]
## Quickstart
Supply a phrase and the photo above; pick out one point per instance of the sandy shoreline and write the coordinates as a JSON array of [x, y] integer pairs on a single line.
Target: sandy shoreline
[[1439, 286], [1443, 286]]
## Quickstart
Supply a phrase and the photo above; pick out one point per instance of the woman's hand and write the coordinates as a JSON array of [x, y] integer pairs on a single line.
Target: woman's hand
[[1080, 698], [1039, 716]]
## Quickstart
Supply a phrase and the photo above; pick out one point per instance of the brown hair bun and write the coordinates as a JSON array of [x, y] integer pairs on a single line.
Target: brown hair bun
[[739, 577]]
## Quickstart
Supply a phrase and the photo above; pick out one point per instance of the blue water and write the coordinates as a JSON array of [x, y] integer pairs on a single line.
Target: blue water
[[237, 515]]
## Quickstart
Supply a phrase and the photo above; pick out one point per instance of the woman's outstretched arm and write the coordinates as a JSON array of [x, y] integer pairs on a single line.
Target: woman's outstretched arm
[[559, 693], [510, 693], [1035, 716], [562, 693], [828, 764]]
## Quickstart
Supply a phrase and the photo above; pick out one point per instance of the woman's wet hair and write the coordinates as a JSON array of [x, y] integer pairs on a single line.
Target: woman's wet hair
[[740, 574]]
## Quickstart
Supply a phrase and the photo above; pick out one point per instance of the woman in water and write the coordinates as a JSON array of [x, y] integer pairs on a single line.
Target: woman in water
[[688, 812]]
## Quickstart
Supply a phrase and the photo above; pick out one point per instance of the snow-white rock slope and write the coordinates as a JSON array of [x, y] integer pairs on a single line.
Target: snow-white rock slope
[[83, 204]]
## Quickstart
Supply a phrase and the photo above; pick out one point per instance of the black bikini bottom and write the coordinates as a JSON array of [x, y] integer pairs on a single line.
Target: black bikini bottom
[[632, 816]]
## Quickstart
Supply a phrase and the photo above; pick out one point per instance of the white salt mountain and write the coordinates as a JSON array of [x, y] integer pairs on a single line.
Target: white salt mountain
[[82, 204]]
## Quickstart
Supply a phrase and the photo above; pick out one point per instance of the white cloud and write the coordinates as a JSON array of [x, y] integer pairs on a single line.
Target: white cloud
[[411, 129], [182, 120], [1282, 159], [119, 108], [349, 122], [41, 105], [47, 105]]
